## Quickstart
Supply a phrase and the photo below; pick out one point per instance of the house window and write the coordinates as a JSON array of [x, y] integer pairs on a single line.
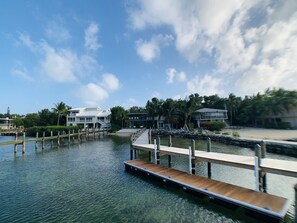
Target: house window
[[88, 119], [81, 119]]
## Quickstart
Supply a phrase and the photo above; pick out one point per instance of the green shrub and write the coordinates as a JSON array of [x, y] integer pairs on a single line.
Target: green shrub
[[213, 126], [217, 132], [235, 133], [225, 133]]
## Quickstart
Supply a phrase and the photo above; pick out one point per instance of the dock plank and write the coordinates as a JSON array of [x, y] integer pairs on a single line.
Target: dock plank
[[268, 204]]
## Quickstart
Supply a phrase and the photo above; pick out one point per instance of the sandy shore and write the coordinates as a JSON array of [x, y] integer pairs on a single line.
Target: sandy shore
[[259, 133]]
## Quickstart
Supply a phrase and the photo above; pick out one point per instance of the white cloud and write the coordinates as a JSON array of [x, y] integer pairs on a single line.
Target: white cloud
[[173, 75], [110, 82], [57, 31], [251, 43], [59, 65], [22, 72], [149, 50], [91, 37], [207, 85], [92, 94]]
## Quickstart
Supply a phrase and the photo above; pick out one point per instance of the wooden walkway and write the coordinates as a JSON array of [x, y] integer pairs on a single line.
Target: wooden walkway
[[270, 205], [282, 167]]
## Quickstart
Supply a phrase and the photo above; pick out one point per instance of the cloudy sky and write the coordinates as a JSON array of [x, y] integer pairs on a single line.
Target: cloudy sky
[[106, 53]]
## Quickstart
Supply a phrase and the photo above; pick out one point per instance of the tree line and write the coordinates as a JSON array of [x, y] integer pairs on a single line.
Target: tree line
[[260, 110], [45, 117]]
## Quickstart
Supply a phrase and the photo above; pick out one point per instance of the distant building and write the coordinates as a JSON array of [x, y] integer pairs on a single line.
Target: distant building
[[89, 118], [6, 123], [209, 115], [288, 116], [138, 119]]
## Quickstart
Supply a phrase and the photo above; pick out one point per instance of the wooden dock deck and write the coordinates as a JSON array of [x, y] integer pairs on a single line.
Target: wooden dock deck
[[258, 202], [282, 167]]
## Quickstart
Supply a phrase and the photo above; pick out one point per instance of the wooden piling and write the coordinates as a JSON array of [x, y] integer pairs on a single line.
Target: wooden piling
[[295, 219], [24, 143], [15, 145], [131, 149], [58, 138], [193, 159], [43, 140], [36, 142], [169, 156], [209, 164], [263, 174], [257, 167], [158, 150]]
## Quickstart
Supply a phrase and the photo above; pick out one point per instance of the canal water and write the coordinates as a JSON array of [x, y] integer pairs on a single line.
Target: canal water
[[88, 183]]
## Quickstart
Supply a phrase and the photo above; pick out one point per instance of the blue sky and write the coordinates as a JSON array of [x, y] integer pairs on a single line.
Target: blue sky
[[106, 53]]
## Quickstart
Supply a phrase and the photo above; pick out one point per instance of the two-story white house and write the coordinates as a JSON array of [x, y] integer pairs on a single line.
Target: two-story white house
[[89, 118]]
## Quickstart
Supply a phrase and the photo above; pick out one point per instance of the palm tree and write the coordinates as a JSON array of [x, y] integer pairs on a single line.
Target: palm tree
[[188, 106], [169, 110], [155, 109], [233, 103], [61, 109]]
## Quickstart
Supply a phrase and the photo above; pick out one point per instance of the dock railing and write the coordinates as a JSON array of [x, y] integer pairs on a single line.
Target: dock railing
[[60, 139]]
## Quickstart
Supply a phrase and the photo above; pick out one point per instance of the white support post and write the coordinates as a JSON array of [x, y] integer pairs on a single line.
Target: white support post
[[155, 150], [190, 160], [256, 172]]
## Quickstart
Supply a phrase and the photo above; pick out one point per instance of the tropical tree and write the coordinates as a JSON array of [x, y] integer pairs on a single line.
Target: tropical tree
[[118, 117], [61, 109], [155, 109], [188, 106], [233, 103], [169, 111]]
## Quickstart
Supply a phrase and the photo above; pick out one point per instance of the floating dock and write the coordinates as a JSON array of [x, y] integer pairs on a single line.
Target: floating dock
[[272, 207], [255, 202]]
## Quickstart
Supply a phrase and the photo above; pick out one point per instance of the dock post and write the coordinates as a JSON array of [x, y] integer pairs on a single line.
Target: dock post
[[155, 151], [190, 159], [295, 218], [257, 166], [69, 137], [15, 145], [43, 136], [131, 149], [209, 164], [52, 142], [24, 142], [58, 138], [158, 150], [263, 174], [193, 158], [169, 156], [36, 142]]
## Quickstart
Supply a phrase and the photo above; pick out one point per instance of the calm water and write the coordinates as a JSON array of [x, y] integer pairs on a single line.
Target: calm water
[[88, 183]]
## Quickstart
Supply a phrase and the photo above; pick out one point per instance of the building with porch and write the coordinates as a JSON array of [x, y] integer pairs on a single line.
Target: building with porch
[[89, 118], [210, 115], [6, 123]]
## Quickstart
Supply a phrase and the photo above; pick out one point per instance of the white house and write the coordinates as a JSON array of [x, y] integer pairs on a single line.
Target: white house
[[209, 115], [89, 118], [6, 123]]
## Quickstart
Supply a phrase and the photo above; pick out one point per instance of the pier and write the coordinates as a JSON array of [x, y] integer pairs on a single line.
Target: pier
[[59, 139], [256, 201]]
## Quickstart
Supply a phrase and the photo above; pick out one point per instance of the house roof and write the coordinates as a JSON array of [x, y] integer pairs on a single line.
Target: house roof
[[203, 110], [91, 112]]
